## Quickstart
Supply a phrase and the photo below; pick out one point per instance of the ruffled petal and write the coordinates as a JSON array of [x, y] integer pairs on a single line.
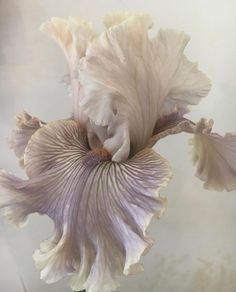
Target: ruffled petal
[[19, 138], [130, 80], [73, 35], [180, 82], [214, 157], [119, 93], [100, 208]]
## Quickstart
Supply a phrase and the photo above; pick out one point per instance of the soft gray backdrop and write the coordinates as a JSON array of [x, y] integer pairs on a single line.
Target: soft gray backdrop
[[196, 238]]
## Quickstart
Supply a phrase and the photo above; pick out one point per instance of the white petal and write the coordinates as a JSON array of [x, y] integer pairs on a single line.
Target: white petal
[[101, 209], [134, 80], [118, 83], [26, 127], [179, 79], [214, 157], [73, 35]]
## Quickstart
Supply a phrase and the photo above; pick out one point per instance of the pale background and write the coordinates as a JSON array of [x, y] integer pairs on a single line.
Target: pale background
[[195, 240]]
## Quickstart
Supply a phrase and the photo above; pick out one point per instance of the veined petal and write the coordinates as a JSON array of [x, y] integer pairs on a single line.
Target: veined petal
[[100, 208], [19, 138], [214, 157], [118, 83], [131, 80], [73, 35]]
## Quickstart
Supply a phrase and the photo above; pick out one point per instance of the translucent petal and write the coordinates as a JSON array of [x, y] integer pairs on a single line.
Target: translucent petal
[[131, 80], [214, 157], [26, 126], [100, 208]]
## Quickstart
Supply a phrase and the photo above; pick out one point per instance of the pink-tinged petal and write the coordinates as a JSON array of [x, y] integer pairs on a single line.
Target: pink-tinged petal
[[73, 35], [100, 208], [26, 126], [214, 157]]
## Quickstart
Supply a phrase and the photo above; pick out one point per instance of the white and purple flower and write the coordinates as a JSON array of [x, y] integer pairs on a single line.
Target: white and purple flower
[[96, 174]]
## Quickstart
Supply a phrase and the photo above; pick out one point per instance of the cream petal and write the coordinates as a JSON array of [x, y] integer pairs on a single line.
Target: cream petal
[[101, 209], [116, 18], [130, 78], [214, 157], [73, 35], [26, 126]]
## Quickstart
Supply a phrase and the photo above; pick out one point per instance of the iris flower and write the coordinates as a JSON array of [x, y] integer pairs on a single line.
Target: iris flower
[[95, 174]]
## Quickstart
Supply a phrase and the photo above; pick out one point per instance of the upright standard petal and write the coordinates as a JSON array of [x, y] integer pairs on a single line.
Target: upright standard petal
[[180, 82], [137, 80], [100, 208], [214, 157], [73, 35], [119, 91], [26, 126], [116, 18]]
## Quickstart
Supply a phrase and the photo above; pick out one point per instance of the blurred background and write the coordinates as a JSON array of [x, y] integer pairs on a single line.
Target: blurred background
[[195, 247]]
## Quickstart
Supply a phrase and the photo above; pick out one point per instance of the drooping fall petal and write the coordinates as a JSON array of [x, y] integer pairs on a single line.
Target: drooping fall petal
[[131, 80], [214, 157], [26, 126], [100, 208]]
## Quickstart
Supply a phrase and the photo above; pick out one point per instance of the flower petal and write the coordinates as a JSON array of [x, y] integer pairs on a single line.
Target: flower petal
[[171, 124], [214, 157], [116, 18], [130, 81], [118, 84], [101, 209], [180, 81], [73, 35], [26, 127]]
